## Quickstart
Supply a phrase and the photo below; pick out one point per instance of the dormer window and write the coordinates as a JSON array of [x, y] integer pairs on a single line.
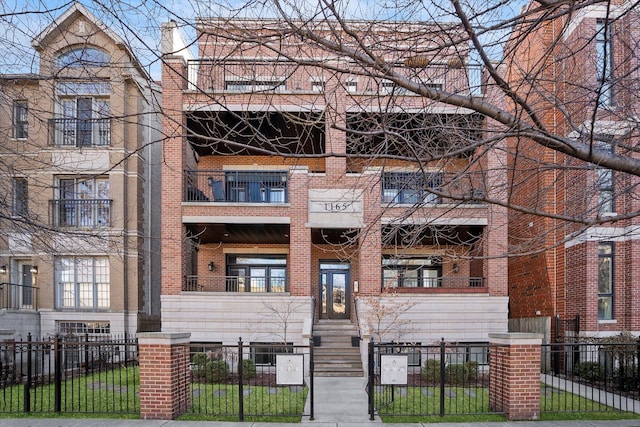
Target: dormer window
[[83, 57]]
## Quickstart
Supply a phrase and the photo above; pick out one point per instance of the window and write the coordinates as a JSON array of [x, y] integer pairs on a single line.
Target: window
[[250, 85], [410, 187], [83, 57], [20, 197], [85, 115], [83, 202], [318, 86], [469, 352], [605, 184], [351, 86], [411, 272], [253, 273], [412, 350], [82, 283], [605, 281], [81, 328], [604, 60], [263, 353], [20, 120], [386, 87]]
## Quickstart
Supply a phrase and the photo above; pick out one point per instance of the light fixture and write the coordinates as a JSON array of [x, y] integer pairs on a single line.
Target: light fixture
[[211, 266], [34, 269], [455, 267], [3, 269]]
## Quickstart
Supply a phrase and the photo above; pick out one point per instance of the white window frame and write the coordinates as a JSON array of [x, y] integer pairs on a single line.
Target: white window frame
[[83, 283]]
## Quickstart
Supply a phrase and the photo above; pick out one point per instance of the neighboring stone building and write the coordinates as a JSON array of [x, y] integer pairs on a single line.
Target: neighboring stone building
[[79, 248], [585, 86], [283, 216]]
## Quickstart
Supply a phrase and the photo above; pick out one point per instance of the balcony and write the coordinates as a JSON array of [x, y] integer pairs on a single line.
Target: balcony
[[18, 297], [235, 284], [81, 213], [413, 188], [235, 186], [427, 283], [72, 132]]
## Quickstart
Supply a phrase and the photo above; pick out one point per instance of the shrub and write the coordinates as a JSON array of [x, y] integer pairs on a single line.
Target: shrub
[[248, 369], [461, 373], [431, 370], [199, 363], [217, 371], [626, 378], [590, 371]]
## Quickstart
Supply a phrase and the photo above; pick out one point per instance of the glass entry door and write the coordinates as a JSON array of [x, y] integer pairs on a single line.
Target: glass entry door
[[334, 290]]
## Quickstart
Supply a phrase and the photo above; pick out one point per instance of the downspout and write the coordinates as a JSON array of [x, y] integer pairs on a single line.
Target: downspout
[[125, 198]]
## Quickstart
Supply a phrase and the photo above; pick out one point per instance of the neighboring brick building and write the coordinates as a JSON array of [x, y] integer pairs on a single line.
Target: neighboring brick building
[[77, 152], [585, 70], [280, 211]]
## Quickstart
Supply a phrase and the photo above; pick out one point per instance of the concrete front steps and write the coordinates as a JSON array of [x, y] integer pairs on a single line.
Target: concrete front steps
[[335, 356]]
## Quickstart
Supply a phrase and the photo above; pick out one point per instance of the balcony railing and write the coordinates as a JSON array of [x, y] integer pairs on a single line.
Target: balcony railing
[[277, 75], [409, 188], [235, 284], [438, 282], [80, 132], [81, 213], [18, 297], [235, 186]]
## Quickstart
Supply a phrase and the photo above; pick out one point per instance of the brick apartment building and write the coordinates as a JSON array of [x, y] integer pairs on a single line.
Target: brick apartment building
[[586, 70], [282, 216], [75, 256]]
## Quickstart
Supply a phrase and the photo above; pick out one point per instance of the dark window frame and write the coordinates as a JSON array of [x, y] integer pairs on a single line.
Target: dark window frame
[[20, 119], [264, 353], [604, 60], [411, 187], [272, 283], [403, 265], [20, 202], [606, 251]]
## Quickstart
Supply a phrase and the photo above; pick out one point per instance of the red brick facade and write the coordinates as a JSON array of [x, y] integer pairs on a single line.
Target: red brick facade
[[515, 375], [556, 273], [165, 378]]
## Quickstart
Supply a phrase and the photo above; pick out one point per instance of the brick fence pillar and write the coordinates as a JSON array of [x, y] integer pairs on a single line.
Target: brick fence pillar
[[515, 375], [164, 374]]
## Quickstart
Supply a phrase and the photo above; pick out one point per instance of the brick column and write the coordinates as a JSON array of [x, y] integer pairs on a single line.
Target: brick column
[[515, 375], [164, 375]]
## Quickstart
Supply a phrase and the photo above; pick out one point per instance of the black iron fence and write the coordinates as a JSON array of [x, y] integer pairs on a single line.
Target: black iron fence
[[87, 213], [235, 186], [251, 380], [14, 296], [591, 376], [78, 132], [428, 380], [70, 374], [273, 284]]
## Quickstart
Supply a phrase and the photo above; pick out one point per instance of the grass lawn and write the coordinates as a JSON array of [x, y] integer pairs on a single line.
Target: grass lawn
[[113, 392], [220, 402], [422, 404]]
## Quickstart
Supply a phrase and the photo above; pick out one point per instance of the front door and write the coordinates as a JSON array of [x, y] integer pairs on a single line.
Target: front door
[[23, 294], [334, 290]]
